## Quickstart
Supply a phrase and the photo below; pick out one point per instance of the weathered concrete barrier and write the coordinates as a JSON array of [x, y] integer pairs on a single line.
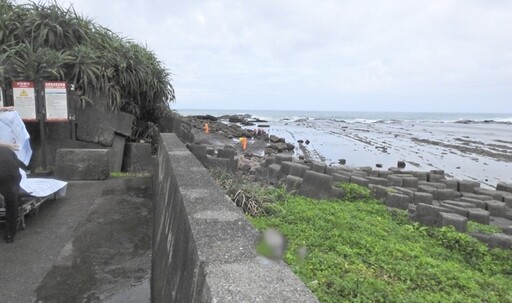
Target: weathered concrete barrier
[[479, 215], [378, 191], [199, 151], [496, 208], [467, 186], [220, 163], [447, 194], [273, 173], [428, 214], [377, 181], [452, 184], [226, 153], [98, 123], [340, 178], [459, 222], [283, 158], [421, 197], [502, 186], [397, 201], [298, 170], [500, 240], [293, 183], [116, 153], [203, 248], [359, 181], [316, 185], [137, 158], [318, 167], [82, 164]]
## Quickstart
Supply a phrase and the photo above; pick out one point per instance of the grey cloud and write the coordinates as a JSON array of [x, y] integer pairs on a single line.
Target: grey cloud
[[373, 54]]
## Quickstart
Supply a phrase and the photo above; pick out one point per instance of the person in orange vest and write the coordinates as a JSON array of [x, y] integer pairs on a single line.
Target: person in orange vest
[[206, 128], [243, 142]]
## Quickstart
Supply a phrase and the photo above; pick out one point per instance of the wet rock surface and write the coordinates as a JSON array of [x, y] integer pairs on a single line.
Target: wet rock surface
[[109, 254], [91, 246]]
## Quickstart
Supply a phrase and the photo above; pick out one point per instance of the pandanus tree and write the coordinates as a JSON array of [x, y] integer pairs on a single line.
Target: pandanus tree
[[48, 42]]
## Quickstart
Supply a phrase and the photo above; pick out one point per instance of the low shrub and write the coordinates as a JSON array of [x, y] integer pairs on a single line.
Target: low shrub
[[482, 228], [360, 252], [354, 191], [253, 199]]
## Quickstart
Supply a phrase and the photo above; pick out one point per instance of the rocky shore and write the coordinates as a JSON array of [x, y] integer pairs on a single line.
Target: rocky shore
[[226, 131], [480, 152], [430, 197], [481, 155]]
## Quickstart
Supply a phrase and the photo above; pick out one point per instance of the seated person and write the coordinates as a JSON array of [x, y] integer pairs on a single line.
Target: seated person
[[15, 153], [10, 178]]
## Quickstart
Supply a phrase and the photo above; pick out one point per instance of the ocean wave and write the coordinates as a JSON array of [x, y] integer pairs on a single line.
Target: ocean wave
[[266, 118], [361, 121], [506, 121], [503, 120], [391, 121], [296, 119]]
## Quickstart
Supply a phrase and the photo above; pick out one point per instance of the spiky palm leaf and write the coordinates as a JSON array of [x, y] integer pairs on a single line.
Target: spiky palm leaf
[[47, 42]]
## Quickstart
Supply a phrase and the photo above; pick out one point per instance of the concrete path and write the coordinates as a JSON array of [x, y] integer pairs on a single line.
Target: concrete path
[[92, 246]]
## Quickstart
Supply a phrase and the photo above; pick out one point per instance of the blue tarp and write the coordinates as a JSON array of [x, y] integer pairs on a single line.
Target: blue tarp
[[13, 131]]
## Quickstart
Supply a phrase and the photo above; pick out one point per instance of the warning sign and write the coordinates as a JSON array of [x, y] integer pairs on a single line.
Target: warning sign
[[24, 100], [56, 101]]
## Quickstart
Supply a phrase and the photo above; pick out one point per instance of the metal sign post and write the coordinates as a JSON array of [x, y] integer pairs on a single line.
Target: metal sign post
[[41, 116], [2, 102]]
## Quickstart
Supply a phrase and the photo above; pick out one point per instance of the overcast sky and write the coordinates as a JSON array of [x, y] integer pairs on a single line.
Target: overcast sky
[[400, 55]]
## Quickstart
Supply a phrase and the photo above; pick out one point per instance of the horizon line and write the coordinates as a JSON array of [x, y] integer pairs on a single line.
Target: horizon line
[[341, 111]]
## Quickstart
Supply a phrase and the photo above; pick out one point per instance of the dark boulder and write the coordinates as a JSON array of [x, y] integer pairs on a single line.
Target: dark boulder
[[275, 139], [206, 117]]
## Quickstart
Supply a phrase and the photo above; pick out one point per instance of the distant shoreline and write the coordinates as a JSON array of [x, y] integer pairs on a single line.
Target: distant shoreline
[[364, 116], [473, 151]]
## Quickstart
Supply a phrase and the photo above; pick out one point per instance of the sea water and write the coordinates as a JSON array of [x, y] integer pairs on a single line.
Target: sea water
[[474, 146], [355, 116]]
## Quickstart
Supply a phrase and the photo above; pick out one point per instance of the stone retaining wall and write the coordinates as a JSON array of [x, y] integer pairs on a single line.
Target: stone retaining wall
[[203, 248]]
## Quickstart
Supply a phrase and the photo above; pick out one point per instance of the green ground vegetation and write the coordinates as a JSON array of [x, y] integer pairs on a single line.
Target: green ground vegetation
[[482, 228], [125, 174], [359, 251]]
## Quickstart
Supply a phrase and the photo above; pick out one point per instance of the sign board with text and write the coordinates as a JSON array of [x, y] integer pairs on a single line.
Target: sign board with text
[[56, 101], [24, 98]]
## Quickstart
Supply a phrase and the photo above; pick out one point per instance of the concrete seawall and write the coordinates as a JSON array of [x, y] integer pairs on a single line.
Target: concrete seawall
[[203, 248]]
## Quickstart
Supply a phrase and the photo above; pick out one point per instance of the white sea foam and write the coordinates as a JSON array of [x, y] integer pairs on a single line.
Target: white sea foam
[[504, 120]]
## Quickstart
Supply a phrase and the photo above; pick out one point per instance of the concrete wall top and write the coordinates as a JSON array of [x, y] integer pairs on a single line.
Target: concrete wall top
[[204, 249]]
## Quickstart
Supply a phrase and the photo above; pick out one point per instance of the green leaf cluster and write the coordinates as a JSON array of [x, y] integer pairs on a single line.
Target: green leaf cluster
[[360, 252], [354, 191], [482, 228], [48, 42]]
